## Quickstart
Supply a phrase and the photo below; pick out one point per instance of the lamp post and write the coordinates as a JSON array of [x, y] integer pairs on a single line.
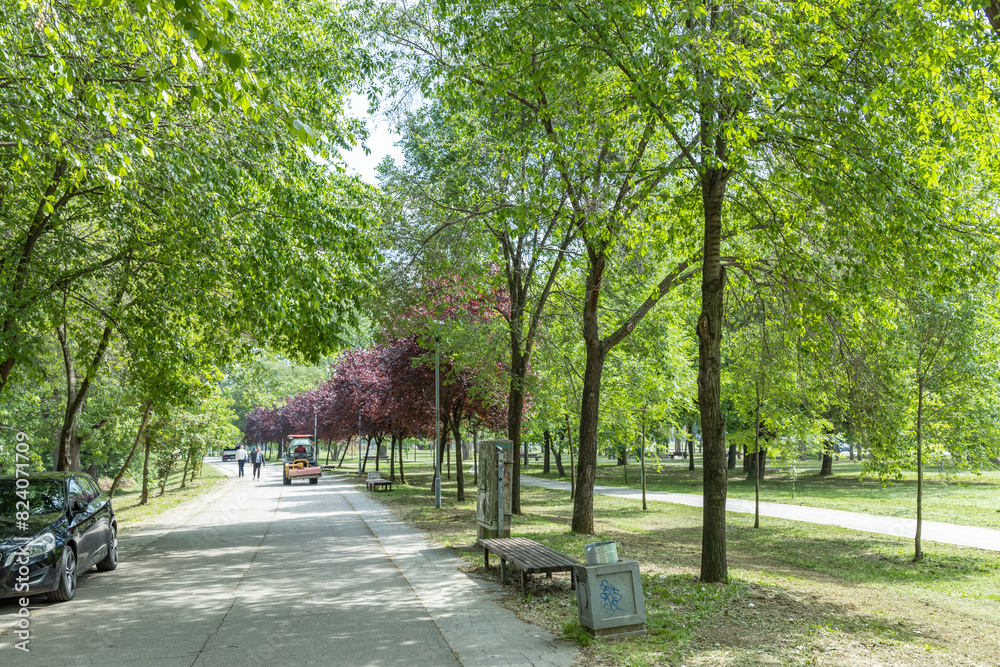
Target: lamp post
[[437, 421]]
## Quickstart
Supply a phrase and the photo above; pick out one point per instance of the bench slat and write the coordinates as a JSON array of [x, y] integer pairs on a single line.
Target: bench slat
[[528, 556]]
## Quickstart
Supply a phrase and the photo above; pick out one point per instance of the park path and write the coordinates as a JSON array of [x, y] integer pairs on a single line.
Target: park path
[[258, 573], [965, 536]]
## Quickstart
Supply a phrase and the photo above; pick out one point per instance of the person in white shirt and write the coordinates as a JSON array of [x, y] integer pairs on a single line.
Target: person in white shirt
[[241, 458]]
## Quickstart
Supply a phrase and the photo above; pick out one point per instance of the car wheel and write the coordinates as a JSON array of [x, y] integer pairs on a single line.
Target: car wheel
[[110, 560], [314, 480], [67, 577], [288, 480]]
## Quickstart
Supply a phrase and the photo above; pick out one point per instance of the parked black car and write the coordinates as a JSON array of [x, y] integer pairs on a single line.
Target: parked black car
[[69, 527]]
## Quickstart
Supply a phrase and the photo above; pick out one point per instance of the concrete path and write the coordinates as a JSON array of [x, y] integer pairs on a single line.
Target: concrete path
[[265, 574], [966, 536]]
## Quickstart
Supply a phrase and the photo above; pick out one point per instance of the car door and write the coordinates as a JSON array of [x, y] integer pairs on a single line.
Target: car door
[[82, 523], [99, 507]]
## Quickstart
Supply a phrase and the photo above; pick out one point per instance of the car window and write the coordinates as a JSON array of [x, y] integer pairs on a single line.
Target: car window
[[42, 497], [92, 490], [76, 491]]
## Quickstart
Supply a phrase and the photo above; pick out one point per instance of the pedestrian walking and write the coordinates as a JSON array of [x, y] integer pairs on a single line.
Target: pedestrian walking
[[257, 459], [241, 458]]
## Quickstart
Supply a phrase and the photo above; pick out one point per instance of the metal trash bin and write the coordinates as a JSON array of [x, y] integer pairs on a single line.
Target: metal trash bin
[[609, 598], [601, 553]]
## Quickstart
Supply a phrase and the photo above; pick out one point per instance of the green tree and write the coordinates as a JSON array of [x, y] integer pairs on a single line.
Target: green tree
[[158, 137], [481, 184]]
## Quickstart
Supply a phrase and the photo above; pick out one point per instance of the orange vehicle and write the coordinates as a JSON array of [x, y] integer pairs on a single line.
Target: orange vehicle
[[299, 457]]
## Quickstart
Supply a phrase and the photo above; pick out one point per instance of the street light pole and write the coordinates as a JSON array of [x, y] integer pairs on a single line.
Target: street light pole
[[437, 423]]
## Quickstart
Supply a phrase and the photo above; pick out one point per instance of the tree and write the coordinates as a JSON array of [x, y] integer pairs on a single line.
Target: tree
[[150, 141], [754, 95], [947, 343], [478, 176]]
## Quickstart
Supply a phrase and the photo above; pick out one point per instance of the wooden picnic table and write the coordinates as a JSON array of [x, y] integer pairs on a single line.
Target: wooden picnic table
[[528, 556]]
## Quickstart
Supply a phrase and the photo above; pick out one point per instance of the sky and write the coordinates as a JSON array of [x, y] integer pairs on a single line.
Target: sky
[[380, 141]]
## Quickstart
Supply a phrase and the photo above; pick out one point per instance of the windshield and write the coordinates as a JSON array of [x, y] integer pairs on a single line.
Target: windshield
[[42, 496], [299, 447]]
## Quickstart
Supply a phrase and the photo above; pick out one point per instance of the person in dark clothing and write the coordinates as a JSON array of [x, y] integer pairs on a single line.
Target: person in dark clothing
[[257, 459]]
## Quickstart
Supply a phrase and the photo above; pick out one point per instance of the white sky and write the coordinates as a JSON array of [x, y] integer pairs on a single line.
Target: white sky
[[380, 142]]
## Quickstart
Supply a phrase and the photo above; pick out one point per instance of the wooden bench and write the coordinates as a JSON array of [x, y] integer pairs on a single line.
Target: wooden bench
[[528, 556], [375, 482]]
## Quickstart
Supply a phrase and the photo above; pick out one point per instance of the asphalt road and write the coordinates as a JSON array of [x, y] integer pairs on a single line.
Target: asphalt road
[[266, 574]]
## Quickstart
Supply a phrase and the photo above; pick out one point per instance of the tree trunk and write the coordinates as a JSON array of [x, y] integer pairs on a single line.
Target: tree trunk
[[731, 463], [992, 9], [5, 368], [135, 445], [714, 567], [163, 483], [187, 460], [445, 425], [392, 457], [456, 431], [918, 551], [756, 450], [402, 478], [583, 502], [690, 446], [642, 459], [559, 464], [343, 454], [368, 443], [572, 477], [546, 462], [69, 448], [144, 497], [475, 457], [827, 467], [515, 415]]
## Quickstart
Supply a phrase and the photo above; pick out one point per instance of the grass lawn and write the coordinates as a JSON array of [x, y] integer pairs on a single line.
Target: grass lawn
[[130, 513], [800, 594], [950, 497]]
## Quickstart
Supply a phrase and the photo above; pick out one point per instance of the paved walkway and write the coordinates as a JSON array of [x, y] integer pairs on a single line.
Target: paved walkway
[[257, 573], [966, 536]]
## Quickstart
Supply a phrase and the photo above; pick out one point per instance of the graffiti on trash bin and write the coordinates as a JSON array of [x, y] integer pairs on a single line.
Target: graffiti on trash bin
[[610, 597]]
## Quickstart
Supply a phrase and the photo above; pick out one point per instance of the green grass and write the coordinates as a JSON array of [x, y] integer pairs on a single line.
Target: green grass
[[130, 512], [797, 591], [950, 497]]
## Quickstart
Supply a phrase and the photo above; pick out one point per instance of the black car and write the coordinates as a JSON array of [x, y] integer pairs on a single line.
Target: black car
[[53, 526]]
